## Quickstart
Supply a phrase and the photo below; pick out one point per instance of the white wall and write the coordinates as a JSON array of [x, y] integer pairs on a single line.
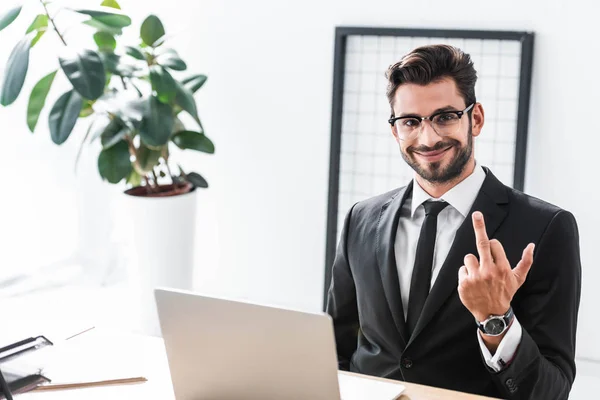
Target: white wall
[[267, 107]]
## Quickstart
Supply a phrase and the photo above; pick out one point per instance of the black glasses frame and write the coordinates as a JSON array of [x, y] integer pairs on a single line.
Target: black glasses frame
[[430, 118], [417, 131]]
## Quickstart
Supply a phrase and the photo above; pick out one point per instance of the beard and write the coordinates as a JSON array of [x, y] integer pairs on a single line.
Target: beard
[[433, 172]]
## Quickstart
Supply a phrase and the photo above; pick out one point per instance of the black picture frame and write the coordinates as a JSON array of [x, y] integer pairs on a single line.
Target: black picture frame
[[341, 36]]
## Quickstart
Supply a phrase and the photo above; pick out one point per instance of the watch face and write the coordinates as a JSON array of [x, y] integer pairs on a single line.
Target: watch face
[[494, 327]]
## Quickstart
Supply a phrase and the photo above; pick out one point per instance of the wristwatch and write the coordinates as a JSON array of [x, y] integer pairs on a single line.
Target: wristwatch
[[496, 325]]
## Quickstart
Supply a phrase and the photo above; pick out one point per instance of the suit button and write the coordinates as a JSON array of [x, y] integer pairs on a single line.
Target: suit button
[[511, 385], [407, 363]]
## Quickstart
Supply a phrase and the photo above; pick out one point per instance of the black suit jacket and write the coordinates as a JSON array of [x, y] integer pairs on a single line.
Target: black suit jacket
[[365, 303]]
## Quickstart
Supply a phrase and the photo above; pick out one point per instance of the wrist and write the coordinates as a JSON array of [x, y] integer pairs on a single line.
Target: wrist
[[493, 342], [496, 324], [482, 316]]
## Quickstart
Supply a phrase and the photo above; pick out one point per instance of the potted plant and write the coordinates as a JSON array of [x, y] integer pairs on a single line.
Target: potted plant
[[130, 97]]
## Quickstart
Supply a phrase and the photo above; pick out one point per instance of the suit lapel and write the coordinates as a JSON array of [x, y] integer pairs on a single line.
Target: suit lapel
[[387, 227], [491, 201]]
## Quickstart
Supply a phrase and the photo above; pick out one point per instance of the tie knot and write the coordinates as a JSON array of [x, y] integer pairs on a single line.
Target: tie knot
[[433, 208]]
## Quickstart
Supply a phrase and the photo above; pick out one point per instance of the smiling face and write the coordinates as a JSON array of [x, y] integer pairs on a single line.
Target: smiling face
[[437, 159]]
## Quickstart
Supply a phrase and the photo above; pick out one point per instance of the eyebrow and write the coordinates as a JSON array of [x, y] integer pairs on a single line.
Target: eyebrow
[[439, 110]]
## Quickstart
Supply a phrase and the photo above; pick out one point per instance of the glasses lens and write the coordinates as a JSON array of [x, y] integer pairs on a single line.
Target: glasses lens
[[446, 123], [407, 127]]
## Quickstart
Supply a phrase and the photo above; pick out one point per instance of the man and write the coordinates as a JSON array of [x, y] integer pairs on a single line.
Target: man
[[456, 280]]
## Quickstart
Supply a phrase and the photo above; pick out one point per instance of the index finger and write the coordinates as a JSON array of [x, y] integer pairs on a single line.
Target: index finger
[[481, 238]]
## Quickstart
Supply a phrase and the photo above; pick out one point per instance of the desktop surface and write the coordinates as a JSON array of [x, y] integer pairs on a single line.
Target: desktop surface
[[91, 355]]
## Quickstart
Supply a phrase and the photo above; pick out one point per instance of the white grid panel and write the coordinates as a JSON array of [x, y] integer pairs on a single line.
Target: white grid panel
[[370, 160]]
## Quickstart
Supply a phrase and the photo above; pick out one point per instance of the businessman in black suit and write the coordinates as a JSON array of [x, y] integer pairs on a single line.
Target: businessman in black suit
[[455, 280]]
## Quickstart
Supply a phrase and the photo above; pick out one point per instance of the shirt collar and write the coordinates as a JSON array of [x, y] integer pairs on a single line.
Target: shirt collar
[[461, 196]]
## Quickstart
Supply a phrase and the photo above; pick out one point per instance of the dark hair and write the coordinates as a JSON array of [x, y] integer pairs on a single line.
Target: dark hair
[[428, 64]]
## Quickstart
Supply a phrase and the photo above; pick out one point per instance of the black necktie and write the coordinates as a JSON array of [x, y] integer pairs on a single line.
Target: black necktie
[[421, 275]]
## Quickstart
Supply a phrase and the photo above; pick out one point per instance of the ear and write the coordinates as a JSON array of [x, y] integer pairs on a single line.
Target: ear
[[477, 119]]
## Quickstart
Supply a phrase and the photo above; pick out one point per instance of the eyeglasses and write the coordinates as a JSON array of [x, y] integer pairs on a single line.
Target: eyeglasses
[[444, 123]]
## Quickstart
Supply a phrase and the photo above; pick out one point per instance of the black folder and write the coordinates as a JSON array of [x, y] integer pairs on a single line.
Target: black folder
[[18, 381]]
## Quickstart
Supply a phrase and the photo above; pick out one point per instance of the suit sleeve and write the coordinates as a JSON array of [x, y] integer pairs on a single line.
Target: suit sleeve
[[547, 306], [341, 301]]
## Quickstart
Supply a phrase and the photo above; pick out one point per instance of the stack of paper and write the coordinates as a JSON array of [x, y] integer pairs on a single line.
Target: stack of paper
[[358, 388]]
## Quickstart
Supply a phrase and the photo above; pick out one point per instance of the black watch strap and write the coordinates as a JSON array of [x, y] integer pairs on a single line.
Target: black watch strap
[[507, 317]]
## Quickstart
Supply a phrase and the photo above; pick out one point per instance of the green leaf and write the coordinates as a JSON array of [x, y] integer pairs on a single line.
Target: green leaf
[[111, 4], [103, 27], [171, 59], [158, 123], [135, 52], [105, 41], [16, 70], [194, 82], [85, 71], [112, 63], [40, 25], [111, 130], [185, 99], [152, 29], [133, 111], [163, 83], [37, 99], [114, 163], [87, 109], [196, 180], [159, 42], [147, 158], [113, 133], [125, 105], [193, 141], [63, 116], [178, 126], [9, 17], [40, 22], [107, 16], [37, 37], [134, 179]]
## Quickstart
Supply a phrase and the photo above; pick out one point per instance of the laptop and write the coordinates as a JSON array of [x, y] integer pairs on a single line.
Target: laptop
[[222, 349]]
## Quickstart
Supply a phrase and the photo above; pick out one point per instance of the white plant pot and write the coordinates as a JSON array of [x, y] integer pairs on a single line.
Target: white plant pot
[[162, 251]]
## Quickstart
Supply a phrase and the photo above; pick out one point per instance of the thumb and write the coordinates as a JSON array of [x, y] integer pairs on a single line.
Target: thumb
[[522, 269]]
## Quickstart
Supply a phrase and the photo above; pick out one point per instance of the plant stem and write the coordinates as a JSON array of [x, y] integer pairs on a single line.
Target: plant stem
[[124, 84], [53, 24], [146, 184], [133, 153], [170, 173], [155, 177], [152, 184]]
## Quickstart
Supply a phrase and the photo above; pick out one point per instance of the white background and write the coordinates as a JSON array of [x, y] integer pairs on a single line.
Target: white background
[[267, 107]]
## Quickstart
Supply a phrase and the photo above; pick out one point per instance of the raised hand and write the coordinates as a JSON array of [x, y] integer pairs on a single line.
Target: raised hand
[[486, 286]]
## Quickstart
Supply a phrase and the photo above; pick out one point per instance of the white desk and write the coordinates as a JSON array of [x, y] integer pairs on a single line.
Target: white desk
[[104, 354]]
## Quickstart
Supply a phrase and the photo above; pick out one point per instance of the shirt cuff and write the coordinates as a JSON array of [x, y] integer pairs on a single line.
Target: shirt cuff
[[506, 350]]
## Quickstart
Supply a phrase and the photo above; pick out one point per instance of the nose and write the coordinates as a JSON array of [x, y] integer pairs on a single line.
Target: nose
[[428, 136]]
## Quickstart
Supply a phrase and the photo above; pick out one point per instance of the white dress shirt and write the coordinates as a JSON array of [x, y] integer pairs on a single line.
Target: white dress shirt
[[460, 199]]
